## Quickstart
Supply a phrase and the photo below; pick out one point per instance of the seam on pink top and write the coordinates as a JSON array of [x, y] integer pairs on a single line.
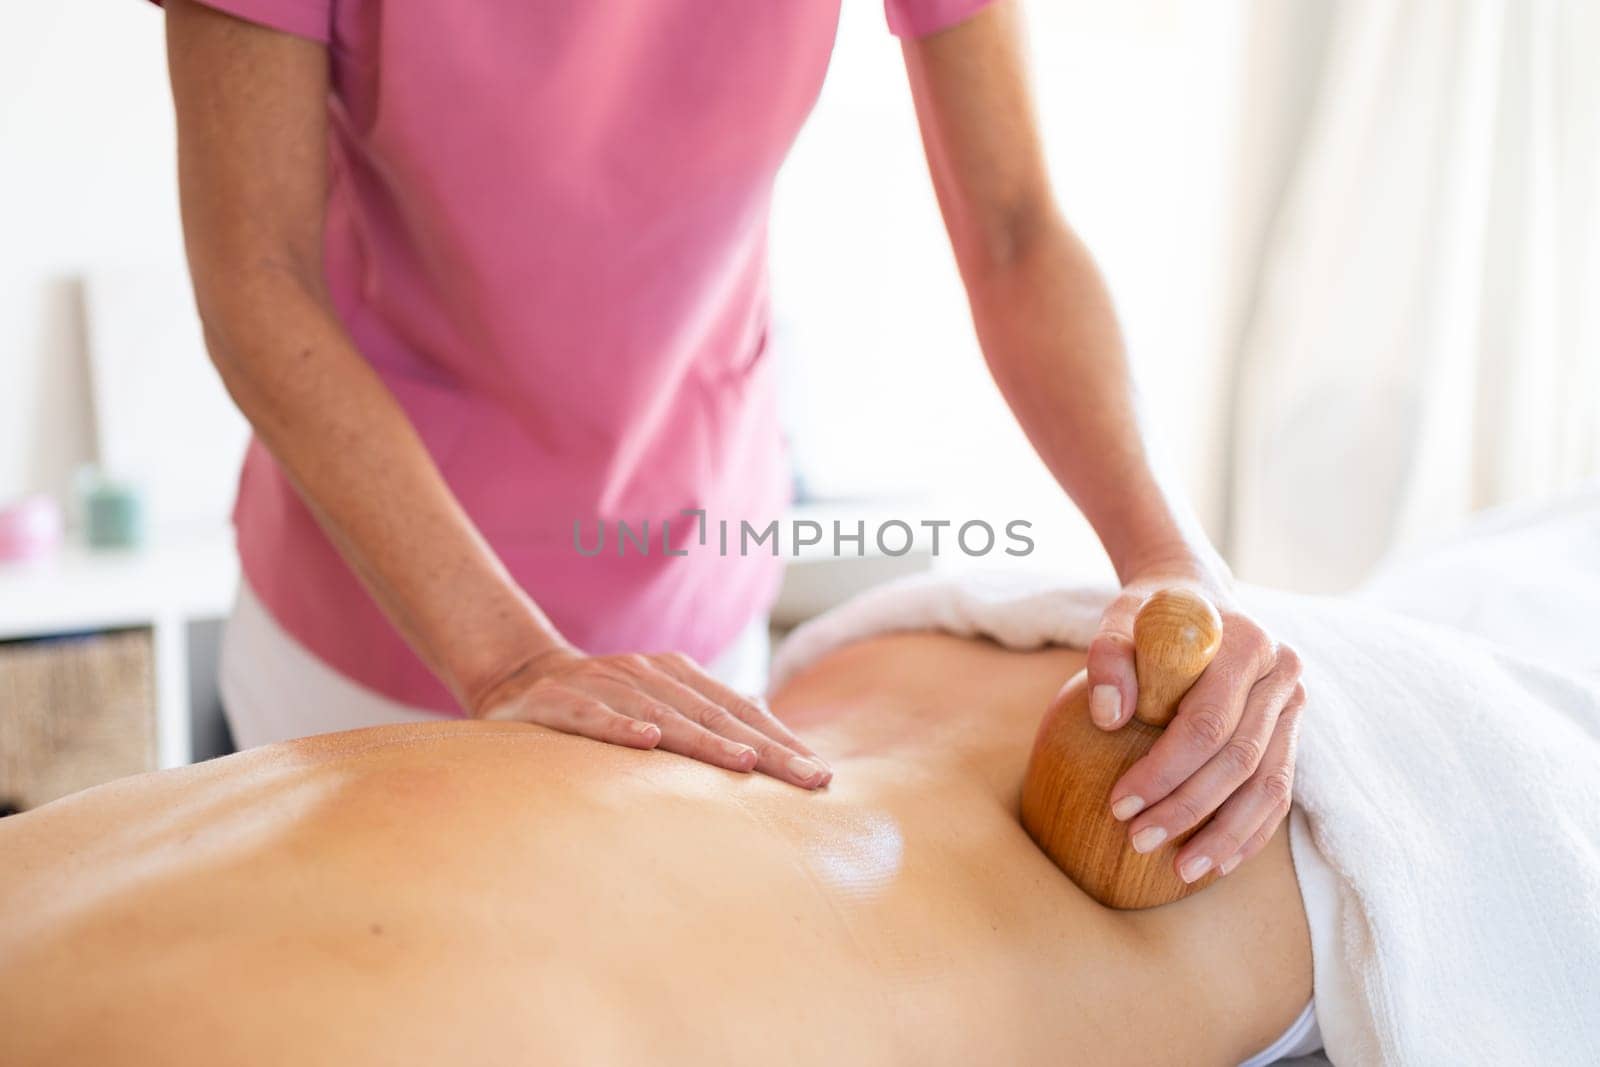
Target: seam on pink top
[[311, 19], [911, 19]]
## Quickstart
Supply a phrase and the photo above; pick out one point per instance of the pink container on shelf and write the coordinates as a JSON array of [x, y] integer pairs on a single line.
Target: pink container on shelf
[[30, 528]]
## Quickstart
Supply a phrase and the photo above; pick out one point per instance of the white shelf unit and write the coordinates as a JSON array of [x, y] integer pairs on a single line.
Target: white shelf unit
[[164, 586]]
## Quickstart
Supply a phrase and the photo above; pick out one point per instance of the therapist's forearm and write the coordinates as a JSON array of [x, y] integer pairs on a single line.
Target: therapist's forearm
[[1042, 312], [1052, 341], [360, 466], [1049, 332], [251, 106]]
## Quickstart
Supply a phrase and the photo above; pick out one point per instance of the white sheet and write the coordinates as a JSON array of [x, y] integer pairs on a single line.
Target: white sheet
[[1527, 578], [1451, 784]]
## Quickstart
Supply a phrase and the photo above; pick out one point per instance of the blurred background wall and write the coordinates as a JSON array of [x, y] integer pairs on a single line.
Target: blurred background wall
[[1353, 242], [87, 181]]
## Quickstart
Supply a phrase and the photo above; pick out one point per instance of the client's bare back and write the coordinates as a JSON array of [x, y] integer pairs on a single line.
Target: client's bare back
[[471, 892]]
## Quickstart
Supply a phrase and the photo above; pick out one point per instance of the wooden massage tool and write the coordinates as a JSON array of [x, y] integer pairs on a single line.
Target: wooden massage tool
[[1066, 792]]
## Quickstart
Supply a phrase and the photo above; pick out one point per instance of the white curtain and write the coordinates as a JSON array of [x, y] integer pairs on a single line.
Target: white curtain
[[1418, 333]]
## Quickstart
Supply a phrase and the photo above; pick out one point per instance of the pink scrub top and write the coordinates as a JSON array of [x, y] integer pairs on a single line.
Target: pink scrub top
[[547, 232]]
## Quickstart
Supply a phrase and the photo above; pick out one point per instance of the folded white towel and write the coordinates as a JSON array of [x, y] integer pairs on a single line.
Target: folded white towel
[[1017, 609], [1452, 787]]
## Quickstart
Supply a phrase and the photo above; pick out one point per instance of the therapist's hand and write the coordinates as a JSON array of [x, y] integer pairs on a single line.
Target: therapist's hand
[[1228, 754], [653, 701]]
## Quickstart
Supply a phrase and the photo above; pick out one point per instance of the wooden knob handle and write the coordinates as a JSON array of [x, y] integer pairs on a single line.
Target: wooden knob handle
[[1066, 789], [1175, 636]]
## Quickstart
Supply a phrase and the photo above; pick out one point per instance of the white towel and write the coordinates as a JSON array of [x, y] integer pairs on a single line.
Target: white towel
[[1452, 787], [1016, 609]]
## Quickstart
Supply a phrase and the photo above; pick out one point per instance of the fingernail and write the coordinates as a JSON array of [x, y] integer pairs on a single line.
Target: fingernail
[[1147, 839], [1229, 864], [1105, 705], [1127, 808], [803, 768], [744, 754], [1196, 867], [642, 728]]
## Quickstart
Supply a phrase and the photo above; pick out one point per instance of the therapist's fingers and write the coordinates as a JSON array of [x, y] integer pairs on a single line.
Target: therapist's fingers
[[679, 733], [1207, 720], [775, 759], [1208, 789], [752, 712], [1113, 686], [600, 696], [1243, 826], [595, 699], [585, 716]]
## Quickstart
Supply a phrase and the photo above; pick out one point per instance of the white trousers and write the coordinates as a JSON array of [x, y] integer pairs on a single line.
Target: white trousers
[[274, 689]]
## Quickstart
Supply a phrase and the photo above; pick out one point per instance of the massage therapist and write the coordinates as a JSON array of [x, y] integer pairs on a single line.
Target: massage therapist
[[476, 271]]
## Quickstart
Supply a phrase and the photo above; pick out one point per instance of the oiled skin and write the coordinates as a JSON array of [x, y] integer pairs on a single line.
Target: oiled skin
[[476, 893]]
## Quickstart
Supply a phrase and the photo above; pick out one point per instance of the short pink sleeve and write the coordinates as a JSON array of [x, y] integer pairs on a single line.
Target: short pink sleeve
[[312, 19], [919, 18]]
